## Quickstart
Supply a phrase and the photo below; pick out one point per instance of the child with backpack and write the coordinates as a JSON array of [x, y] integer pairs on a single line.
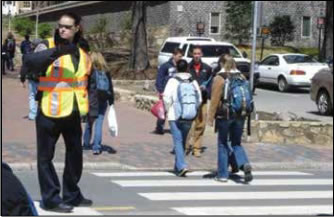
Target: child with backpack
[[231, 103], [100, 94], [182, 99]]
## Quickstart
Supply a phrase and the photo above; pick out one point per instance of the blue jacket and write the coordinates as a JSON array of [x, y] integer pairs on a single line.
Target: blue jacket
[[165, 72]]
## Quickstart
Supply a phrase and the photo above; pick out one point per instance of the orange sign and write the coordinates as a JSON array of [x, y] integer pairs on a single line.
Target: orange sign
[[265, 31]]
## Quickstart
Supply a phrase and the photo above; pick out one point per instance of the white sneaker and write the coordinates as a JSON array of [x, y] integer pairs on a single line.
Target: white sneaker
[[221, 179]]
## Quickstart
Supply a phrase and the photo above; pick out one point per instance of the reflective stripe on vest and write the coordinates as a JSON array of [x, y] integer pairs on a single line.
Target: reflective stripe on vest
[[62, 83]]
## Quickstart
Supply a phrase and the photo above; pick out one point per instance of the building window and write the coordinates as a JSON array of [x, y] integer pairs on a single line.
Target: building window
[[26, 4], [215, 23], [306, 27]]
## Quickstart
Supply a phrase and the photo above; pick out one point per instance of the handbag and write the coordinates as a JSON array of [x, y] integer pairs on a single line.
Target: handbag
[[158, 110], [112, 122]]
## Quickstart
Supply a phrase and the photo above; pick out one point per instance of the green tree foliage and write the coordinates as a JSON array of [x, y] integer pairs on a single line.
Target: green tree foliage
[[44, 30], [282, 30], [238, 20], [23, 26]]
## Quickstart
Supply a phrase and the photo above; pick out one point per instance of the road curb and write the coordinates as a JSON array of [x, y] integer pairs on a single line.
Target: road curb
[[122, 167]]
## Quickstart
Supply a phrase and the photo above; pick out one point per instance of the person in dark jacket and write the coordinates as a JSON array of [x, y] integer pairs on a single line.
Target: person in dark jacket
[[201, 72], [165, 72], [32, 82], [98, 103], [15, 201], [4, 57], [10, 45], [63, 67], [26, 46]]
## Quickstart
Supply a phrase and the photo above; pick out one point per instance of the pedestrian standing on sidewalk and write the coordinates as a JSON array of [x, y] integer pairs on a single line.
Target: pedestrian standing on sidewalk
[[100, 89], [63, 101], [165, 72], [26, 46], [182, 98], [10, 46], [32, 82], [228, 86], [201, 72], [4, 57]]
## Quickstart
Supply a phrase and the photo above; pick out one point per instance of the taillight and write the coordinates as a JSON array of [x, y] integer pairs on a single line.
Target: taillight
[[297, 72]]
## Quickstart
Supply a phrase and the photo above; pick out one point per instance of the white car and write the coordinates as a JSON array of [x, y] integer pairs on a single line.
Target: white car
[[211, 50], [289, 70]]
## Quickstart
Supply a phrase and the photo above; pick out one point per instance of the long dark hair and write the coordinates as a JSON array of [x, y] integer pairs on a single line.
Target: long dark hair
[[78, 37]]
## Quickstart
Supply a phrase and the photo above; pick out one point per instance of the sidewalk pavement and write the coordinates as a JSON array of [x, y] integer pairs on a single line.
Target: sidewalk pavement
[[137, 148]]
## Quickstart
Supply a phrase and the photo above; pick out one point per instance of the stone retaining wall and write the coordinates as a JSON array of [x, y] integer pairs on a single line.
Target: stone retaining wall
[[274, 132]]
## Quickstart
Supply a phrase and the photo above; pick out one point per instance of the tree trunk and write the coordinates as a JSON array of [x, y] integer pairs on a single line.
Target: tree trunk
[[327, 47], [139, 60]]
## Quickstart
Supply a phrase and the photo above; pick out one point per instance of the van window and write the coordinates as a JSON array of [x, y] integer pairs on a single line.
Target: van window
[[216, 51], [169, 47]]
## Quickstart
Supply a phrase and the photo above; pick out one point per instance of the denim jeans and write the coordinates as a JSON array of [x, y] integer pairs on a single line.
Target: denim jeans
[[32, 99], [233, 130], [98, 128], [179, 130]]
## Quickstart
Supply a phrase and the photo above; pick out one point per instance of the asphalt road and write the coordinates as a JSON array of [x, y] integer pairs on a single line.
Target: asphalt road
[[161, 193], [298, 101]]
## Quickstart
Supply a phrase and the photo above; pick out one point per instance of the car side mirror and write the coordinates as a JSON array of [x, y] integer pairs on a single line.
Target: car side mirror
[[244, 54]]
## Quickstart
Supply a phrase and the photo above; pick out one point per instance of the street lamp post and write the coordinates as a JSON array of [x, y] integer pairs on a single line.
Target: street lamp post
[[9, 15], [36, 25], [320, 27]]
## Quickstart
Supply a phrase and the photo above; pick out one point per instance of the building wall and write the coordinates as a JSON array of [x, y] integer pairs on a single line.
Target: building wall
[[185, 15], [296, 9]]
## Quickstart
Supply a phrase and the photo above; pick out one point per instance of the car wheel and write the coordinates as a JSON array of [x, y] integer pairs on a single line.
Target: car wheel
[[283, 85], [324, 103]]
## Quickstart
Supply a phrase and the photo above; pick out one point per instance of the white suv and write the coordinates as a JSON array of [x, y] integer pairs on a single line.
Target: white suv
[[211, 50]]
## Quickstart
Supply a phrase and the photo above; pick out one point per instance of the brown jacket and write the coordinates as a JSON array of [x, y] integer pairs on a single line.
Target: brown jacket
[[216, 94]]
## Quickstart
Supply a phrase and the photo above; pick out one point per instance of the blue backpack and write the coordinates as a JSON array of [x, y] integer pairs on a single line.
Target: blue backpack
[[239, 96], [102, 82], [186, 107]]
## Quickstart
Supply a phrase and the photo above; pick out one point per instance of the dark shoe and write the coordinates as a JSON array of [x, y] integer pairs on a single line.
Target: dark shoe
[[159, 132], [84, 203], [172, 152], [248, 173], [183, 172], [234, 170], [62, 207]]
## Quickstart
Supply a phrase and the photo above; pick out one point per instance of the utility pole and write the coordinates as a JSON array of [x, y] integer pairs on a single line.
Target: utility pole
[[255, 16], [37, 20]]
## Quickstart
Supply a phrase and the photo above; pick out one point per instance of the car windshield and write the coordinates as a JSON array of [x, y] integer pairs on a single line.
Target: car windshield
[[292, 59], [217, 51]]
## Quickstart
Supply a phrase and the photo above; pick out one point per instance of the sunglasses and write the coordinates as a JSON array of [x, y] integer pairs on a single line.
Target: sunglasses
[[65, 26]]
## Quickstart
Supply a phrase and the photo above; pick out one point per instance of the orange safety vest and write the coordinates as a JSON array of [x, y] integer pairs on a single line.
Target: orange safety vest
[[62, 83]]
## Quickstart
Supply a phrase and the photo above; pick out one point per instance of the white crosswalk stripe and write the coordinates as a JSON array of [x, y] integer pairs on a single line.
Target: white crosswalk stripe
[[253, 210], [198, 173], [194, 183], [270, 193], [238, 195]]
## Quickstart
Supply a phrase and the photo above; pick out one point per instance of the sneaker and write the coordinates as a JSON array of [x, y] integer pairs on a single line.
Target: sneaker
[[97, 152], [183, 172], [248, 172], [159, 132], [86, 147], [197, 154], [224, 180]]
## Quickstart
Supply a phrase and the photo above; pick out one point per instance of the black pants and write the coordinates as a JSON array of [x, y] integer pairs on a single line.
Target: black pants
[[48, 132]]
